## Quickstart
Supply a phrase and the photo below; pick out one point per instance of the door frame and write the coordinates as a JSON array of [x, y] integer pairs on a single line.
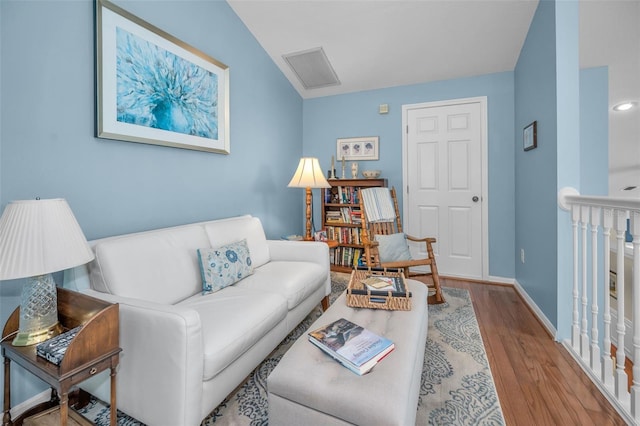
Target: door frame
[[482, 100]]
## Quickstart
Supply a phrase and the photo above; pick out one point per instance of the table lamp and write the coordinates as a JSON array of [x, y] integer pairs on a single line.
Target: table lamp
[[308, 175], [38, 237]]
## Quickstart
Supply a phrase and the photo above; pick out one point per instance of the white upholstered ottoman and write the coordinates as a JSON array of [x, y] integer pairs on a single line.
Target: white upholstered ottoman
[[309, 387]]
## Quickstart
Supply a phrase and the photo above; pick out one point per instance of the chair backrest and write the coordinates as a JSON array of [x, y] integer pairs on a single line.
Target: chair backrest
[[375, 202], [380, 213]]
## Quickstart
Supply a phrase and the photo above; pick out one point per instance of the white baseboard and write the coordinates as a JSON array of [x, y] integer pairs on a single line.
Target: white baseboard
[[536, 310], [501, 280], [43, 396]]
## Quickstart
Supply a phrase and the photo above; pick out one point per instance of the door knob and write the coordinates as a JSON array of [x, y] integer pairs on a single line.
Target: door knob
[[475, 199]]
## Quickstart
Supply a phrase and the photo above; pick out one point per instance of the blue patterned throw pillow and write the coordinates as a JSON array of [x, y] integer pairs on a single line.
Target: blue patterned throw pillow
[[223, 266]]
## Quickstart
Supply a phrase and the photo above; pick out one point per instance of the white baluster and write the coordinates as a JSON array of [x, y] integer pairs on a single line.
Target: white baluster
[[621, 383], [607, 360], [595, 349], [635, 289], [584, 337], [575, 329]]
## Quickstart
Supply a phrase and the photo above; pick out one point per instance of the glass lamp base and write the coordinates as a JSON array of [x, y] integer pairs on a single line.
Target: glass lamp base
[[28, 338], [38, 311]]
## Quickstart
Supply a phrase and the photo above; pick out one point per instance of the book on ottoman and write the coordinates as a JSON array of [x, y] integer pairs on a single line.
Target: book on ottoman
[[353, 346]]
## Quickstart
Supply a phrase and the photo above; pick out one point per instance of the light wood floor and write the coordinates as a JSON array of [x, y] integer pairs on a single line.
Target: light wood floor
[[538, 382]]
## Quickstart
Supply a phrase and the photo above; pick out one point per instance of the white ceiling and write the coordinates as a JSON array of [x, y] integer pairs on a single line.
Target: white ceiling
[[373, 44]]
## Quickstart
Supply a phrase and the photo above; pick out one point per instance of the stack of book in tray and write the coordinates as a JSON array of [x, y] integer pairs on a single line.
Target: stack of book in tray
[[353, 346]]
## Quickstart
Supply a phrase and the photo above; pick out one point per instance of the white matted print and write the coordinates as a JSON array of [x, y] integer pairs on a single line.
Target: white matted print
[[354, 149]]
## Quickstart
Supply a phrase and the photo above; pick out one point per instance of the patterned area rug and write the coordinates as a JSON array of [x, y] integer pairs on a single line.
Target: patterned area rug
[[457, 387]]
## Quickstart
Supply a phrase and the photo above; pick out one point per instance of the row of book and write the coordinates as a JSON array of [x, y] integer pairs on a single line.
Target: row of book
[[353, 346], [344, 215], [347, 256], [344, 235], [342, 195]]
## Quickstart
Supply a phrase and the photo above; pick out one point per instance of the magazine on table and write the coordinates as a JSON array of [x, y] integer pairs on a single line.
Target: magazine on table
[[353, 346], [382, 283]]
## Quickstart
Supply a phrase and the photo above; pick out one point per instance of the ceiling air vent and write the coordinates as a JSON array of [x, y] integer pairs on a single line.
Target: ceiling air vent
[[312, 68]]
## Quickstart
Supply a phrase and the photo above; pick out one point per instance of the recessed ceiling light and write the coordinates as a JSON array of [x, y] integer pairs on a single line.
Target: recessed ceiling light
[[625, 106]]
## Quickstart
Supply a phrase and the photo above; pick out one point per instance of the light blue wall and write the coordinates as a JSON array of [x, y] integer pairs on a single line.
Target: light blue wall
[[569, 151], [535, 170], [547, 90], [356, 114], [594, 131], [47, 135]]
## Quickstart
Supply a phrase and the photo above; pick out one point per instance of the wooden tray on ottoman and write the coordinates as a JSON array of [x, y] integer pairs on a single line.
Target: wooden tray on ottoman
[[361, 296]]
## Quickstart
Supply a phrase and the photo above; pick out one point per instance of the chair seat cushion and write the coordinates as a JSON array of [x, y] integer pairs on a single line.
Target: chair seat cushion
[[393, 247]]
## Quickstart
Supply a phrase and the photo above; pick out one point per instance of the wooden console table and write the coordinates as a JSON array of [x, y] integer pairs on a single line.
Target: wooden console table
[[94, 349]]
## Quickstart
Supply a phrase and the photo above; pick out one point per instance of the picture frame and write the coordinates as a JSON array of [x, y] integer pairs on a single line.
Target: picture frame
[[184, 103], [356, 149], [613, 284], [530, 136]]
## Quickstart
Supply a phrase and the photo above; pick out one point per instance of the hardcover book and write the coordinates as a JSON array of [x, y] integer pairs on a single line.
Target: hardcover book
[[353, 346], [53, 350]]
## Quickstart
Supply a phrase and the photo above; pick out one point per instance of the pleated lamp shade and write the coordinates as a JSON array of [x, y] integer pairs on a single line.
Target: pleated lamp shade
[[39, 237]]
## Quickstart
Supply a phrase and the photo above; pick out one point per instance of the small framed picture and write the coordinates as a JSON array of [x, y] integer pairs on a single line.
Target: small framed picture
[[354, 149], [613, 284], [530, 136]]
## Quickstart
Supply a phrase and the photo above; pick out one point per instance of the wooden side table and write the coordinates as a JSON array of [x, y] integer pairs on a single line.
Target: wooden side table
[[94, 349], [332, 243]]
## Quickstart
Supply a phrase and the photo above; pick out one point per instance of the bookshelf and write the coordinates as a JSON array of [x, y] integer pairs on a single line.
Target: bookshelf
[[341, 219]]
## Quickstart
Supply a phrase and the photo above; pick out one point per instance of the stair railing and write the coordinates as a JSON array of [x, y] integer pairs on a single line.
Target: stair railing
[[605, 219]]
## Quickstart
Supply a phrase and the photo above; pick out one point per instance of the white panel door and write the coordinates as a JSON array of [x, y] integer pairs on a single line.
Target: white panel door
[[444, 184]]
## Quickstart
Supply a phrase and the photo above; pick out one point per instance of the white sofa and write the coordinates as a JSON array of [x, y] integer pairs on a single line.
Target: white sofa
[[184, 352]]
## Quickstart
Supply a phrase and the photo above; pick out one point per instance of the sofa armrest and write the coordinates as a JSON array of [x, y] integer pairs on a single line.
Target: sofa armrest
[[162, 354], [308, 251]]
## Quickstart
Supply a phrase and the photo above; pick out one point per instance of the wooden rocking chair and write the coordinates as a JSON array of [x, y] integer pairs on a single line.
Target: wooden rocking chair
[[383, 218]]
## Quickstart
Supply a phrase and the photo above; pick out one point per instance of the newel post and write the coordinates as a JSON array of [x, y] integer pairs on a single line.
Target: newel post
[[620, 376], [635, 287], [566, 205]]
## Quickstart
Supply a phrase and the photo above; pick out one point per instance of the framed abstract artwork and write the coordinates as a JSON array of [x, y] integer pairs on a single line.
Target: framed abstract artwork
[[355, 149], [153, 88]]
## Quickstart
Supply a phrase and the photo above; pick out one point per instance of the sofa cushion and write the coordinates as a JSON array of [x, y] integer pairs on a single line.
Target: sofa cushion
[[295, 281], [223, 266], [246, 227], [159, 266], [232, 321]]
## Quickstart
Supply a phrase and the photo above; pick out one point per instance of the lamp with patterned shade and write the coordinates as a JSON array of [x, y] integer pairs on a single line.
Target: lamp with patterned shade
[[308, 175], [38, 237]]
